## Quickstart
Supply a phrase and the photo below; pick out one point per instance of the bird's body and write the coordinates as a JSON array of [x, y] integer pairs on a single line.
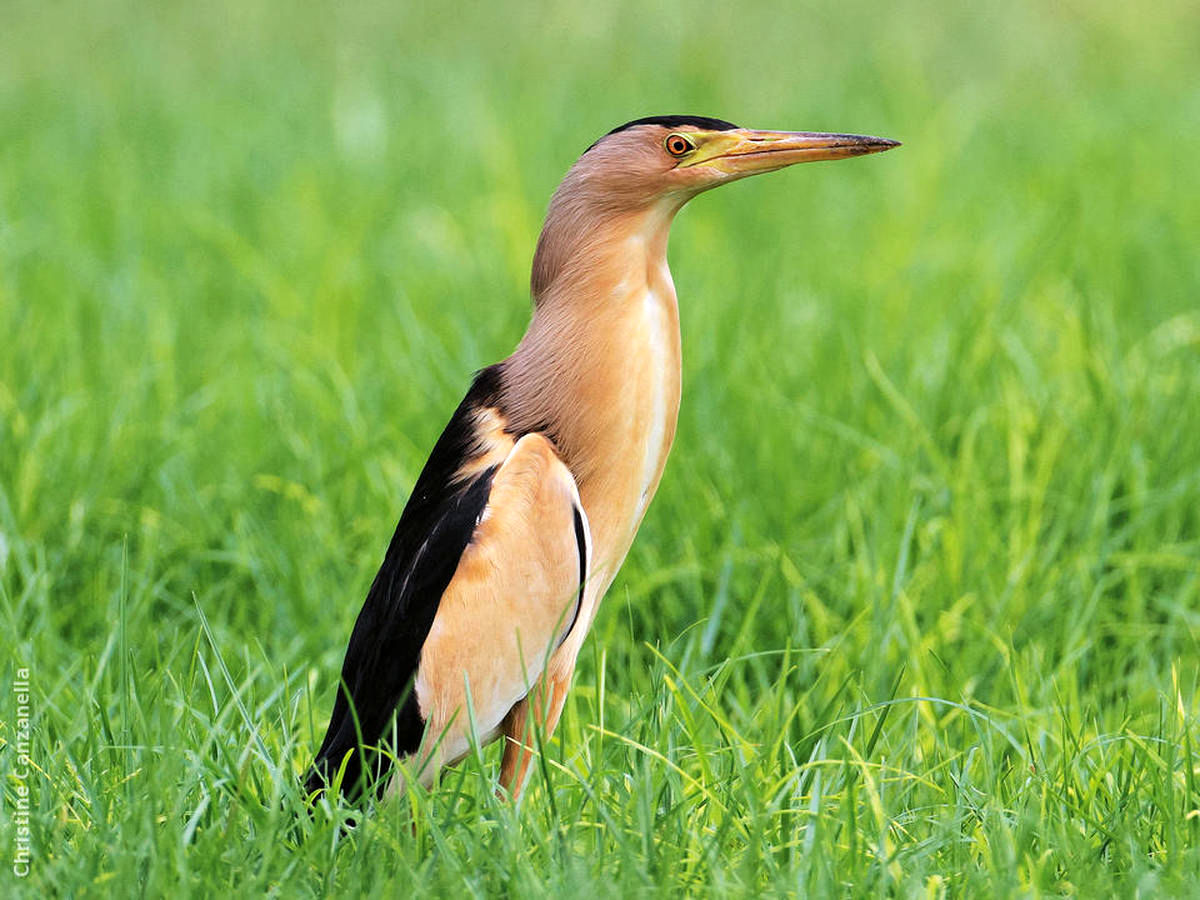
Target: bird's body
[[533, 494]]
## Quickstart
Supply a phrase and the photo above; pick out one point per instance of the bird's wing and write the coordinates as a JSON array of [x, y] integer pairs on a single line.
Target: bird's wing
[[451, 509], [514, 598]]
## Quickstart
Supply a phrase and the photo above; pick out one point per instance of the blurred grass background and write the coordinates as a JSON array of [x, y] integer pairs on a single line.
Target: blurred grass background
[[940, 439]]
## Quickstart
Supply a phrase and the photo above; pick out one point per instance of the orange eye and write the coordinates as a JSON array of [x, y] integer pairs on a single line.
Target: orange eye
[[677, 144]]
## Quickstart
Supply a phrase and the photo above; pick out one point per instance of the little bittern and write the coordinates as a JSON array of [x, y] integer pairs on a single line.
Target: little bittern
[[531, 497]]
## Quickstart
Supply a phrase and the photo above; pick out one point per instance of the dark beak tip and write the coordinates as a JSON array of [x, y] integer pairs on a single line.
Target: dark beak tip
[[878, 145]]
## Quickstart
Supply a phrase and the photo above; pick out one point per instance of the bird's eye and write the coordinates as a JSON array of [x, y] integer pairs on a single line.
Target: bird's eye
[[677, 144]]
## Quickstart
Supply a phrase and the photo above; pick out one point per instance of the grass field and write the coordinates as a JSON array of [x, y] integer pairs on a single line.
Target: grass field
[[916, 611]]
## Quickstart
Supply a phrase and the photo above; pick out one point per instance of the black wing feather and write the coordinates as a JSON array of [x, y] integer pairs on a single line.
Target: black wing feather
[[385, 646]]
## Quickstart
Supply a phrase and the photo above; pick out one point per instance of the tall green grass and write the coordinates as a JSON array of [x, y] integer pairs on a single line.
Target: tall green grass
[[916, 609]]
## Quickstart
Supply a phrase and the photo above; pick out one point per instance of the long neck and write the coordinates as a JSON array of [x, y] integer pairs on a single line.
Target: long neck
[[599, 368], [592, 283], [587, 238]]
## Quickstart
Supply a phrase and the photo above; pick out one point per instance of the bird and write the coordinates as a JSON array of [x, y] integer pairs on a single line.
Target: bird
[[531, 497]]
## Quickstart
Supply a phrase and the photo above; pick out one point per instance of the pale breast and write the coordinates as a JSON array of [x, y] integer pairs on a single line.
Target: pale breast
[[660, 384], [640, 410]]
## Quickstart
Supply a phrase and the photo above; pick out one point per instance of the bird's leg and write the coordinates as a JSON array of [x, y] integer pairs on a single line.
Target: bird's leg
[[516, 758], [547, 699]]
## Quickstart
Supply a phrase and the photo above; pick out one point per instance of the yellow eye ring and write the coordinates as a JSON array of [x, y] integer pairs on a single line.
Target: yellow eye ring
[[677, 144]]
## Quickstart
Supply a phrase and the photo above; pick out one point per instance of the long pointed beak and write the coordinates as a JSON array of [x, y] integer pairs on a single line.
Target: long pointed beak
[[745, 152]]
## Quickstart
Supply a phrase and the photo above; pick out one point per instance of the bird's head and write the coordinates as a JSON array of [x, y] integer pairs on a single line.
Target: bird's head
[[673, 158], [636, 177]]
